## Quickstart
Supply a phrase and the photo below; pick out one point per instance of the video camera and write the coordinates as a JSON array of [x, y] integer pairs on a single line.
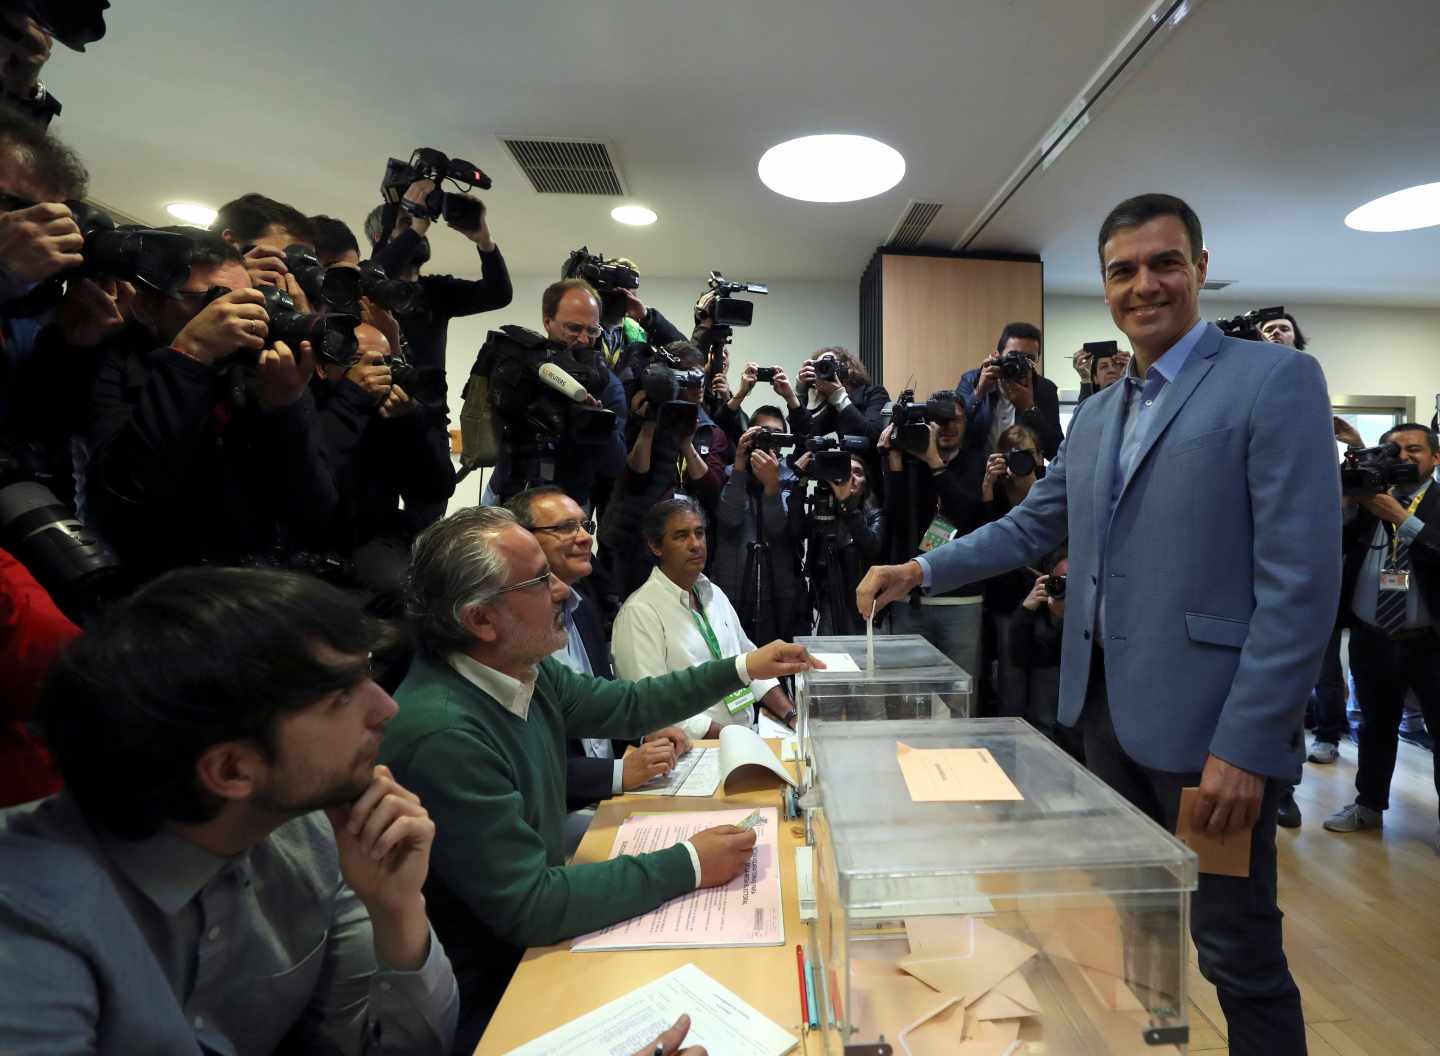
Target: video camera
[[911, 421], [73, 23], [718, 311], [830, 456], [662, 381], [1247, 327], [1371, 470], [609, 277], [458, 210]]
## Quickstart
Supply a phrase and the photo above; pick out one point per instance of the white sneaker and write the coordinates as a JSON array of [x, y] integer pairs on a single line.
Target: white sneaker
[[1354, 818], [1324, 752]]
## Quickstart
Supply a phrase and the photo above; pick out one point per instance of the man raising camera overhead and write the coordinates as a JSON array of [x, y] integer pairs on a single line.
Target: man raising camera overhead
[[1008, 388]]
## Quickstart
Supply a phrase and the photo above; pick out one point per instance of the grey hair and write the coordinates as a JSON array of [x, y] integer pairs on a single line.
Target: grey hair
[[455, 566], [653, 526]]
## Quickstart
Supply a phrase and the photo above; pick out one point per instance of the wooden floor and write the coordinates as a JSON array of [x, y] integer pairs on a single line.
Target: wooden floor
[[1362, 919]]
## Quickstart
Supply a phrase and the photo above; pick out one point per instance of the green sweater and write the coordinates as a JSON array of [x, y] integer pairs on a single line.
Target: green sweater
[[495, 787]]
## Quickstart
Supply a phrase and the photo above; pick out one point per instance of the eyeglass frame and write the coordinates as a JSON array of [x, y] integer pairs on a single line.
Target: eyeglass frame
[[567, 528], [545, 577], [576, 329]]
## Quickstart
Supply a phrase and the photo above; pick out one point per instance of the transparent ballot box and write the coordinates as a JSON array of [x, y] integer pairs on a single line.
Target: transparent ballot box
[[1054, 923], [912, 680]]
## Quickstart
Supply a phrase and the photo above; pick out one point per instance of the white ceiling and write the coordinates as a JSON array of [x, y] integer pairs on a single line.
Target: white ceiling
[[1273, 118]]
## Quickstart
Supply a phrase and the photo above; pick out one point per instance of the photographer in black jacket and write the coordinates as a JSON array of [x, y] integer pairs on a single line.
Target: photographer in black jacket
[[994, 401], [205, 445], [262, 229], [859, 528], [931, 497], [836, 396]]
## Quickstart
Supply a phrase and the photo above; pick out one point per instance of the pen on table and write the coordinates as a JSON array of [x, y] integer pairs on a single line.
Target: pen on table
[[800, 971], [811, 991]]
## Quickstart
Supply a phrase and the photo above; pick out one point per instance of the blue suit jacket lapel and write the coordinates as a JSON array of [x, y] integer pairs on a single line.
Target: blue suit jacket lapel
[[1107, 453], [1202, 358]]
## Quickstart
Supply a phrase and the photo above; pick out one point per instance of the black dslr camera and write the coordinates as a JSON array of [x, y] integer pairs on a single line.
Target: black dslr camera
[[911, 421], [1247, 327], [458, 210], [73, 23], [1055, 587], [340, 288], [772, 442], [331, 335], [609, 277], [1019, 462], [827, 368], [830, 456], [662, 381], [394, 295], [1014, 366], [1371, 470]]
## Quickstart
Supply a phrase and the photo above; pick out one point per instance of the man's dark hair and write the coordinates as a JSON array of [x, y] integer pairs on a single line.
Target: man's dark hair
[[769, 410], [207, 249], [1095, 361], [1021, 331], [198, 657], [1143, 208], [333, 238], [521, 504], [249, 215], [1299, 334], [1414, 427], [51, 164], [657, 516]]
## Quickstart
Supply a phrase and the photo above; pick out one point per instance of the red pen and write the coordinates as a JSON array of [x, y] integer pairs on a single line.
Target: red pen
[[800, 971]]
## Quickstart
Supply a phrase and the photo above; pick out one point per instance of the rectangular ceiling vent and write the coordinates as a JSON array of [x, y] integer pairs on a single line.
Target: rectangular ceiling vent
[[566, 166], [1218, 284], [911, 227]]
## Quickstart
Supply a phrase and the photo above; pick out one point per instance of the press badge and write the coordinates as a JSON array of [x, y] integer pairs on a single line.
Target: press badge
[[1391, 579], [939, 533], [738, 701]]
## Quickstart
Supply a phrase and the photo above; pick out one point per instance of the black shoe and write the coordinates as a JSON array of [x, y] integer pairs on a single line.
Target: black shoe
[[1420, 739], [1289, 816]]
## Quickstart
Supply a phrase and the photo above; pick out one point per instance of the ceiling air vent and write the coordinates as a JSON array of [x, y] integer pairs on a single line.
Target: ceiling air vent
[[566, 166], [912, 224], [1218, 284]]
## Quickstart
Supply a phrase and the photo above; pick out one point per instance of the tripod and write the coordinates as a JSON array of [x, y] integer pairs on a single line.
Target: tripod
[[762, 624], [825, 569]]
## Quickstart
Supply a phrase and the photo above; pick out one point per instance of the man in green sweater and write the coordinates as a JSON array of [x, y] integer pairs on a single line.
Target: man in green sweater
[[480, 737]]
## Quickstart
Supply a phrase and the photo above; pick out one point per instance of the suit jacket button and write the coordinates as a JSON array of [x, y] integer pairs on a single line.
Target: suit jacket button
[[1086, 635]]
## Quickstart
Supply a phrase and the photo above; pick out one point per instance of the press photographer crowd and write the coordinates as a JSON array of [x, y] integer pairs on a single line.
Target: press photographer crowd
[[225, 465]]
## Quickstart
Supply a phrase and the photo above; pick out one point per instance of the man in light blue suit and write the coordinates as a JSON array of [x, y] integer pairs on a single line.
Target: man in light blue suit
[[1201, 500]]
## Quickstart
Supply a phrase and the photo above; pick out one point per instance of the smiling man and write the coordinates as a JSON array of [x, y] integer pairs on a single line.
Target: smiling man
[[1202, 506]]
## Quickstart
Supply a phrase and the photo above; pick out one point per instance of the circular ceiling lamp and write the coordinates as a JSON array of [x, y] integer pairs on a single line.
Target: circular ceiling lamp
[[1407, 210], [831, 168], [634, 215], [191, 213]]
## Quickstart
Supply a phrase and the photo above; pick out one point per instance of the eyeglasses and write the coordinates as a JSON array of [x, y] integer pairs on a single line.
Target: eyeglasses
[[567, 529], [576, 329], [544, 578]]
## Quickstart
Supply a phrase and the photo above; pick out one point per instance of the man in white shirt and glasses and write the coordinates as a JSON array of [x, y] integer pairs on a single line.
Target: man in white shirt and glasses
[[679, 619]]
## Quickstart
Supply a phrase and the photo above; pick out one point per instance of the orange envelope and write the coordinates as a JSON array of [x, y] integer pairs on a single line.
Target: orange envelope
[[986, 957], [885, 1000], [1003, 1031], [1011, 998], [953, 775], [941, 1034], [1225, 855]]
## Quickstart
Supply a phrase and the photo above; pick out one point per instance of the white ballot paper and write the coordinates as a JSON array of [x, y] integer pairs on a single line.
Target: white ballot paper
[[837, 662], [740, 747], [870, 639], [719, 1020]]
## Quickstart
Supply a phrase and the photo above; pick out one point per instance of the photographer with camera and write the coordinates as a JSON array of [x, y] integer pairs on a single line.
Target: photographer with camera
[[727, 412], [1008, 389], [1391, 601], [205, 446], [756, 555], [676, 449], [1100, 364], [1029, 666], [263, 229], [843, 527], [836, 396], [25, 47], [932, 495]]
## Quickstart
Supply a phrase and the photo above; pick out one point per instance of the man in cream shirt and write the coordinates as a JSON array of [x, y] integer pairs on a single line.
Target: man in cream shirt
[[679, 619]]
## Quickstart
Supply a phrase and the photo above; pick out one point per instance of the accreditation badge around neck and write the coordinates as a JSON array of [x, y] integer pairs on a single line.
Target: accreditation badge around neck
[[740, 700]]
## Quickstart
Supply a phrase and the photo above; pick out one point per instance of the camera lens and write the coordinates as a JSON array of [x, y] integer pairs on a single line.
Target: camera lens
[[1021, 463]]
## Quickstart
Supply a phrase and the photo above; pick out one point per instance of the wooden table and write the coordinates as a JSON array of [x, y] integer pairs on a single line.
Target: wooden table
[[552, 986]]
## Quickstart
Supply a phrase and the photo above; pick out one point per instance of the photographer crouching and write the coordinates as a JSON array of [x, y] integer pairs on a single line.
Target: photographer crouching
[[756, 550], [932, 495]]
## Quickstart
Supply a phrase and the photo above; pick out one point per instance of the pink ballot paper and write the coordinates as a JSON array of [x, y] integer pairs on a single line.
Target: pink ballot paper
[[745, 912]]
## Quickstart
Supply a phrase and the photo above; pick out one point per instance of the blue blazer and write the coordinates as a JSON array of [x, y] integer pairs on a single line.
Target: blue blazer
[[1222, 557]]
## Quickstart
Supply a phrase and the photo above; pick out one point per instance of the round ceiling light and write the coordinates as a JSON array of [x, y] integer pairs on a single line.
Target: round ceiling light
[[1406, 210], [831, 168], [634, 215], [192, 213]]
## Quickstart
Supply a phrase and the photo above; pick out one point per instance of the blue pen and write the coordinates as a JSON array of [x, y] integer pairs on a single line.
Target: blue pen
[[810, 992]]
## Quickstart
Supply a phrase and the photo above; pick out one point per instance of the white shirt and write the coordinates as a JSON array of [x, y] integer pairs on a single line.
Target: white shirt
[[1004, 419], [656, 632]]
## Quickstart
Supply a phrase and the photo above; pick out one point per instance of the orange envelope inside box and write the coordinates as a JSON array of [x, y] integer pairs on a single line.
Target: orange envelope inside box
[[953, 775]]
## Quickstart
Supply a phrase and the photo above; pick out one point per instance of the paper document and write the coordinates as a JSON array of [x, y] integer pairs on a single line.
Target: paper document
[[745, 912], [740, 747], [770, 730], [719, 1021], [936, 775], [870, 639], [697, 773], [1224, 855], [837, 661]]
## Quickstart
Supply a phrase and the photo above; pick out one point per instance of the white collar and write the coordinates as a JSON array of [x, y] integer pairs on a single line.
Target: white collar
[[510, 693], [663, 584]]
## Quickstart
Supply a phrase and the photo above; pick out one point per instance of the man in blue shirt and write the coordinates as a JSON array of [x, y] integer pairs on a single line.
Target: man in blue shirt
[[1201, 500]]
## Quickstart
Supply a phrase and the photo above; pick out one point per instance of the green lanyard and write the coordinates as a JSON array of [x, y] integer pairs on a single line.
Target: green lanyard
[[706, 631]]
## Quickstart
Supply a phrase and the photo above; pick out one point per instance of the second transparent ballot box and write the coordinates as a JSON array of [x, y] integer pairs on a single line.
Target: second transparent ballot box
[[1039, 911], [911, 680]]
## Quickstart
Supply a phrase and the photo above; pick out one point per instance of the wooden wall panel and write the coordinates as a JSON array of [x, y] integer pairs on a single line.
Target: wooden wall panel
[[942, 315]]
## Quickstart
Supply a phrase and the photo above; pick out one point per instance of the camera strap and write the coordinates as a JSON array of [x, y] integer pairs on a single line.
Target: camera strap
[[742, 698]]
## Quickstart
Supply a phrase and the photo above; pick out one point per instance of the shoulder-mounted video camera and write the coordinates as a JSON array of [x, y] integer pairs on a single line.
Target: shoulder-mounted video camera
[[609, 277], [1247, 327], [459, 210], [1371, 470], [663, 379], [911, 421]]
